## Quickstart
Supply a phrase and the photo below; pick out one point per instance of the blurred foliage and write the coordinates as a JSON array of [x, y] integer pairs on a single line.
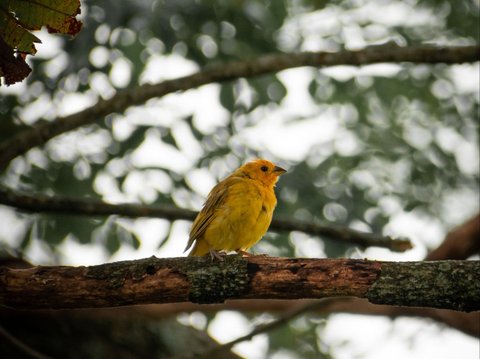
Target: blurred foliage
[[127, 338], [403, 135]]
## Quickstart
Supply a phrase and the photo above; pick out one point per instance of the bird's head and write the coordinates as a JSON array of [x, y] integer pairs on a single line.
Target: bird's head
[[262, 170]]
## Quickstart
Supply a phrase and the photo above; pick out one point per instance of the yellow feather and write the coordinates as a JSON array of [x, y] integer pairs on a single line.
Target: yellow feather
[[238, 210]]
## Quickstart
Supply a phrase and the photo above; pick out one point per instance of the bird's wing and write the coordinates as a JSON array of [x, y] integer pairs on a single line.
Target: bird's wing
[[217, 197]]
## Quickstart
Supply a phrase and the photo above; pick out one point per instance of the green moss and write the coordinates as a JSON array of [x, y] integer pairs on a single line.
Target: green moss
[[439, 284], [213, 281]]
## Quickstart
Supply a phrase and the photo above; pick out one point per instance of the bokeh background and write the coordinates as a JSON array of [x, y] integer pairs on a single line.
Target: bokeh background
[[387, 148]]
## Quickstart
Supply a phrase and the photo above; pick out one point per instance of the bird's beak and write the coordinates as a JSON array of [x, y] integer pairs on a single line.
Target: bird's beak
[[279, 170]]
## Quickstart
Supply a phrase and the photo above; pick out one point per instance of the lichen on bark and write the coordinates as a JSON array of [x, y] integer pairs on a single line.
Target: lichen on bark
[[445, 284], [218, 280]]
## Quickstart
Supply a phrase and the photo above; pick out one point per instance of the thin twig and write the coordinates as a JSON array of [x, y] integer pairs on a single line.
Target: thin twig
[[22, 347], [263, 328], [91, 207], [343, 234], [41, 133]]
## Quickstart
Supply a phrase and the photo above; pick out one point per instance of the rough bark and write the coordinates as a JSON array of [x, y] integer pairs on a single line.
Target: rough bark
[[441, 284]]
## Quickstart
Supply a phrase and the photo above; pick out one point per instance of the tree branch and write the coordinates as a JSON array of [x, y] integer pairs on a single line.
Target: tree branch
[[460, 243], [468, 323], [440, 284], [327, 305], [91, 207], [42, 132], [343, 234], [263, 328]]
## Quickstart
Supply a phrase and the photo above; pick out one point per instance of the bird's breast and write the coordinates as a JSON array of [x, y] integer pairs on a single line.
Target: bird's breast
[[244, 218]]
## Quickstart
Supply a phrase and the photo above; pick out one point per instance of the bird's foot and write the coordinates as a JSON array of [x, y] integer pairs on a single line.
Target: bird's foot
[[217, 255]]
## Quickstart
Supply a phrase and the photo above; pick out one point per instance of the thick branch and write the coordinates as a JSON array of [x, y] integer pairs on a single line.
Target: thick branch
[[91, 207], [468, 323], [41, 133], [440, 284]]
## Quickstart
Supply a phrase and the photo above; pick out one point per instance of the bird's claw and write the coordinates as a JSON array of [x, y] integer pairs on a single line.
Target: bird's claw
[[217, 255]]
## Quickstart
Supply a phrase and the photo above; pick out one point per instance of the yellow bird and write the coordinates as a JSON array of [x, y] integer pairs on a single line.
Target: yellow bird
[[238, 211]]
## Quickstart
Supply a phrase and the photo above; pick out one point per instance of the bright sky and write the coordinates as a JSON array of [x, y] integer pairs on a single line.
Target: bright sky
[[347, 335]]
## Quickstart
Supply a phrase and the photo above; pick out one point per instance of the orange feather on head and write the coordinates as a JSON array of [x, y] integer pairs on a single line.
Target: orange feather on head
[[238, 210]]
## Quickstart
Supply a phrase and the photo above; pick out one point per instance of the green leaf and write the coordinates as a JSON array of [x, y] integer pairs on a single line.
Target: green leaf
[[135, 240], [227, 98], [18, 18], [29, 234], [57, 16], [15, 35], [113, 243]]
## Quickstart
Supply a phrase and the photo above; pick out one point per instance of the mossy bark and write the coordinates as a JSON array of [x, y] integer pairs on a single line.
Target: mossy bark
[[440, 284]]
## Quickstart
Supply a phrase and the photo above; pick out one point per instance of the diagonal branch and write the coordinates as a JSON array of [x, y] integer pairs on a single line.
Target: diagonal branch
[[460, 243], [263, 328], [91, 207], [346, 305], [43, 132]]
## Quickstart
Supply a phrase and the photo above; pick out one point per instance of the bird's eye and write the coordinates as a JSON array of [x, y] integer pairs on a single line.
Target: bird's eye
[[264, 168]]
